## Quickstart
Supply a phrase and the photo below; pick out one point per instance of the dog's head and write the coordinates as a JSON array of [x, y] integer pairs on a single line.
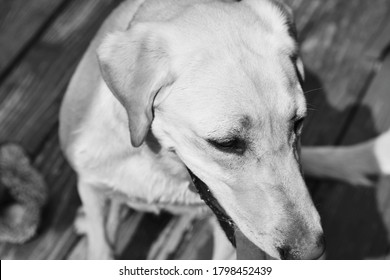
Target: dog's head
[[220, 87]]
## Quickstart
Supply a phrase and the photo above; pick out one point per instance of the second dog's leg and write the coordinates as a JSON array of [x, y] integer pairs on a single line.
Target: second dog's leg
[[357, 164], [94, 205]]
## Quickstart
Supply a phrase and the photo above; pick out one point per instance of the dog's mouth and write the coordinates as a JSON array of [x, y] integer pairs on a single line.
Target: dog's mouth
[[245, 249], [224, 219]]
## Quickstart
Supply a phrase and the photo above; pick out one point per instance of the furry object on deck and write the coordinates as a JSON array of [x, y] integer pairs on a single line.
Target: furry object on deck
[[23, 193]]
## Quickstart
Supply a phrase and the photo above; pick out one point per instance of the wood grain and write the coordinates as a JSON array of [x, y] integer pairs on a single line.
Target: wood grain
[[31, 94], [20, 22]]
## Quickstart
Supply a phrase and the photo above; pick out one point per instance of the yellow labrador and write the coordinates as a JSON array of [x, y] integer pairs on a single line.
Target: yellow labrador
[[209, 88]]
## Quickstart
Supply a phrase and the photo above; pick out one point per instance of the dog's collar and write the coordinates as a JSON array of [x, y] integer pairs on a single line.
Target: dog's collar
[[224, 219]]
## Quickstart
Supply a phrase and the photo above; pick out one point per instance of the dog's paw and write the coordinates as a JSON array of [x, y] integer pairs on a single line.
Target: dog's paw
[[358, 165], [365, 163], [80, 222], [355, 165]]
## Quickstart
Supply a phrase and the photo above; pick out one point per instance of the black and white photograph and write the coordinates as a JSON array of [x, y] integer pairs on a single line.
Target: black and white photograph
[[195, 130]]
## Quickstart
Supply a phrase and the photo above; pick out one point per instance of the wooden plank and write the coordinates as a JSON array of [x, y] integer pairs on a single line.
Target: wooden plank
[[20, 22], [169, 240], [149, 229], [373, 113], [358, 226], [381, 42], [31, 94]]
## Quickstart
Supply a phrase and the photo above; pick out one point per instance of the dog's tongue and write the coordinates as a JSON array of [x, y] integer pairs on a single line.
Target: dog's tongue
[[246, 250]]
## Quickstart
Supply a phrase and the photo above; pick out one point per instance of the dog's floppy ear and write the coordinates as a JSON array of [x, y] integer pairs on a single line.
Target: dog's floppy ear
[[136, 65]]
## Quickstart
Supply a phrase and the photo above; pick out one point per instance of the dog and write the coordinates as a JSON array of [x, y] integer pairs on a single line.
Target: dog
[[173, 95]]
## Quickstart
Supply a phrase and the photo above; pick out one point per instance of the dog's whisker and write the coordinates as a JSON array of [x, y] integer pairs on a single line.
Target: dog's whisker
[[313, 90], [311, 107]]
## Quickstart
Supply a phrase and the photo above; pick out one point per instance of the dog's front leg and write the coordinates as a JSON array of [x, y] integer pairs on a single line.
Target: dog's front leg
[[357, 164], [113, 221], [94, 206]]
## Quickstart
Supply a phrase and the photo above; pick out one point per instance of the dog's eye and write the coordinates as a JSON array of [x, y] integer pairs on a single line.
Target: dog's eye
[[235, 145]]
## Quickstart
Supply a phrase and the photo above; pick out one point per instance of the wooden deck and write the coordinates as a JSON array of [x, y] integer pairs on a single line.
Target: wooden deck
[[345, 47]]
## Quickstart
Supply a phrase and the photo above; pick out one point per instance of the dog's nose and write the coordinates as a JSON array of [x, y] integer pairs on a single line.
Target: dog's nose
[[311, 253]]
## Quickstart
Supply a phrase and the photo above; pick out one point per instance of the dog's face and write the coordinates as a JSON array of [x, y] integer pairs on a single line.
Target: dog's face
[[230, 105]]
